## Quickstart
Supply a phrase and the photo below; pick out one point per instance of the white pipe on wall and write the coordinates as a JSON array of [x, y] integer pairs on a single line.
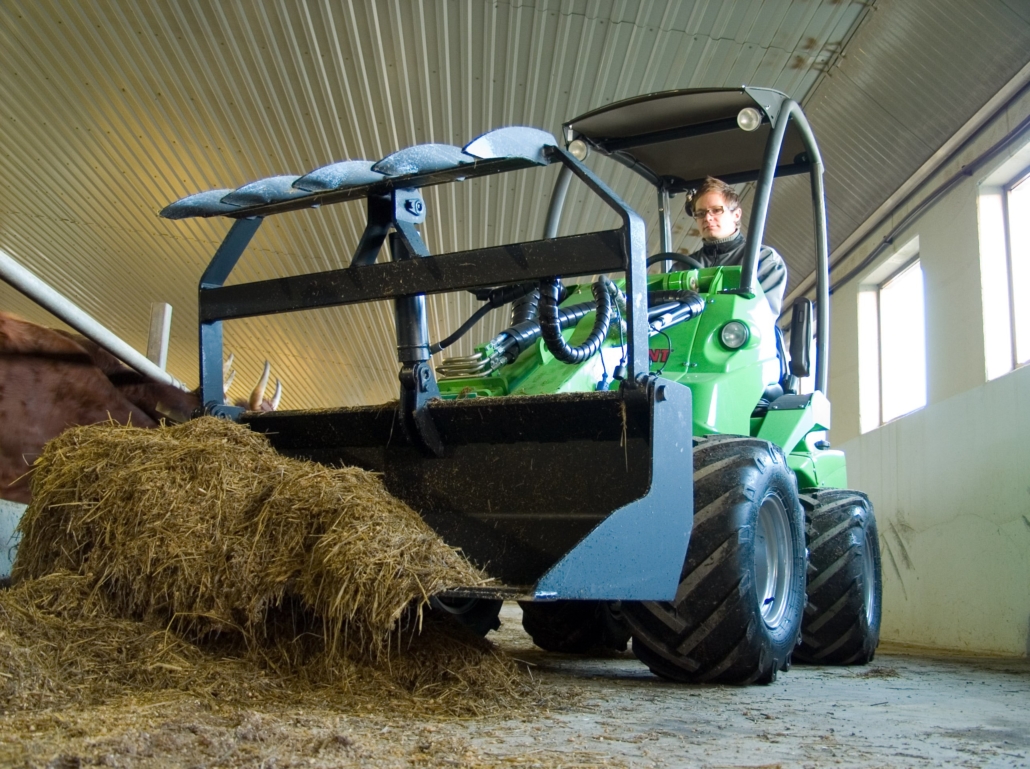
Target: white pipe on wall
[[45, 296], [160, 330]]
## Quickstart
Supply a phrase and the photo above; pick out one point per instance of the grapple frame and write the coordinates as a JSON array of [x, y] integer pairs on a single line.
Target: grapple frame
[[585, 495]]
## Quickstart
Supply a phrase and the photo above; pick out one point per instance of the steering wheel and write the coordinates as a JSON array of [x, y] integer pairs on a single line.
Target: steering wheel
[[673, 256]]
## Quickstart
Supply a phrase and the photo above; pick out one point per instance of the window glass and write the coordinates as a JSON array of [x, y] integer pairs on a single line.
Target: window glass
[[902, 344], [868, 359], [1019, 265]]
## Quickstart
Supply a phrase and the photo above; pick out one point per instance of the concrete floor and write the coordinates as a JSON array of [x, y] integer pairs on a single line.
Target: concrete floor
[[902, 710]]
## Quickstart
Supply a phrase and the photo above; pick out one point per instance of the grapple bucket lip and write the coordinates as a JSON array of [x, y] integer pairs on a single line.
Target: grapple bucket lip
[[490, 593]]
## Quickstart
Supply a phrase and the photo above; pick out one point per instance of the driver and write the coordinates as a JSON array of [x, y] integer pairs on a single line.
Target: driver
[[716, 208]]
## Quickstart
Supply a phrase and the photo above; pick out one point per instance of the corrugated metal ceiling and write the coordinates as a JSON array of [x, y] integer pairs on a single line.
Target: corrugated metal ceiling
[[912, 76], [112, 110]]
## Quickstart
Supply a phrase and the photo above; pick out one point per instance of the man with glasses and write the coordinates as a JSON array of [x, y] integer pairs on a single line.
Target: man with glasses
[[716, 209]]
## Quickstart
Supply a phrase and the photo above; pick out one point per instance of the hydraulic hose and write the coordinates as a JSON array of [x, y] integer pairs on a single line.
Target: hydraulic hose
[[514, 340], [494, 298], [550, 325], [525, 307], [618, 297], [477, 316]]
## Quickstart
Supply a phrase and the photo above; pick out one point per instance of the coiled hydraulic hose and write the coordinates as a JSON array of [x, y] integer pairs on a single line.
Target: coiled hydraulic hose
[[550, 326], [516, 339], [525, 307]]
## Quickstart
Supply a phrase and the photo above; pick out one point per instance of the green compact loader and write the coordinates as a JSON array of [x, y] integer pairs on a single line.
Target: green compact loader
[[632, 457]]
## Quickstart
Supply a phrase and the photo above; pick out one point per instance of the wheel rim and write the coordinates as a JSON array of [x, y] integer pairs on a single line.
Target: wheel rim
[[868, 578], [774, 560]]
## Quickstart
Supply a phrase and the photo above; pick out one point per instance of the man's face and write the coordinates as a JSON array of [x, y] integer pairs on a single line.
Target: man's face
[[715, 224]]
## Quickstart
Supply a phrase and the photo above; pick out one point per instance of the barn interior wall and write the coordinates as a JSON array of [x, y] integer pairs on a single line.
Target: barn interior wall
[[951, 481]]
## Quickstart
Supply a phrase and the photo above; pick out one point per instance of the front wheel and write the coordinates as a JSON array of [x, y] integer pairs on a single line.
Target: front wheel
[[737, 614], [480, 615], [845, 585], [574, 627]]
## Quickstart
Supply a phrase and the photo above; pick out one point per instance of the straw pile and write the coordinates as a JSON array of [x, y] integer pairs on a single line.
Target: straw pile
[[196, 557]]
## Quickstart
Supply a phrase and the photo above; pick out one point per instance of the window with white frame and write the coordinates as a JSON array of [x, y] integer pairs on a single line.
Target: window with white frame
[[892, 340], [1004, 224]]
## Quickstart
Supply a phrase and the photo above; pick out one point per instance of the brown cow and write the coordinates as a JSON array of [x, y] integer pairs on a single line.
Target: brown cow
[[51, 380]]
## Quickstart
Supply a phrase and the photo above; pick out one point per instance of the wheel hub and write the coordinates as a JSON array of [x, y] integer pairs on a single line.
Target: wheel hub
[[774, 560], [868, 581]]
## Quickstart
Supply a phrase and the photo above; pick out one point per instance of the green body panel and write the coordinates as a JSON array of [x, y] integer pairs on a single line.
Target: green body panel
[[813, 467], [725, 384], [787, 427]]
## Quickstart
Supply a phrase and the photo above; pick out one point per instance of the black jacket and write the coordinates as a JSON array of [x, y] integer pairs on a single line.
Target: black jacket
[[772, 272]]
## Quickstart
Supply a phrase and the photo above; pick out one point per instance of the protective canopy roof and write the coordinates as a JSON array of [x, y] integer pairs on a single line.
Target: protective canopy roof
[[677, 138]]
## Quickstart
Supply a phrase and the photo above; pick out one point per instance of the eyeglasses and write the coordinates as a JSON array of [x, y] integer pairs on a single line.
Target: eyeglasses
[[702, 213]]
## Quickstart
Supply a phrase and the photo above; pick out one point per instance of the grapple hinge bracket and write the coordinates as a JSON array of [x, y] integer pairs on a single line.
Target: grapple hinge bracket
[[418, 387]]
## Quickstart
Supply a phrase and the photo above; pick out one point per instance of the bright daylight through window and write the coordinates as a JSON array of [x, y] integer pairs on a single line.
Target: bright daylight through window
[[1018, 215], [892, 340], [1004, 224], [902, 344]]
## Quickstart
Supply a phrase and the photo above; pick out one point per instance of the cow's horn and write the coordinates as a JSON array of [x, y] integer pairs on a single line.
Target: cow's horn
[[259, 392], [277, 395]]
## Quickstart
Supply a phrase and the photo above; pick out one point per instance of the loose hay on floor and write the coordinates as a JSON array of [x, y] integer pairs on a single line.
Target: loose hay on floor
[[162, 553], [61, 642]]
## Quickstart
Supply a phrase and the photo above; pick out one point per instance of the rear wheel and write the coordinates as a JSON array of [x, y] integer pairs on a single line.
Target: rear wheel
[[574, 627], [841, 625], [737, 614], [480, 615]]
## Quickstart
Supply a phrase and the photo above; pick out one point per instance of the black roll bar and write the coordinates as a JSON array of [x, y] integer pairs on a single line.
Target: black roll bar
[[790, 110]]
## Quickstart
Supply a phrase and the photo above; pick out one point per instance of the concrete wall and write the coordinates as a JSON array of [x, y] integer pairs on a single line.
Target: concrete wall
[[951, 487], [950, 482]]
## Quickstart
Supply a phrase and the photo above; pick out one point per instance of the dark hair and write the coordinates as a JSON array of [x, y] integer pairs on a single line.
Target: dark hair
[[711, 184]]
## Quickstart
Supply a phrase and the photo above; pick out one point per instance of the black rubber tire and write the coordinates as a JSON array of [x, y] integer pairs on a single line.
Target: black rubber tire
[[574, 627], [845, 586], [480, 615], [722, 626]]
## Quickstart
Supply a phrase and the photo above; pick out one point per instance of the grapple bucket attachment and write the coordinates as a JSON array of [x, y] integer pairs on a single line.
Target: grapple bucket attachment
[[584, 495], [579, 495]]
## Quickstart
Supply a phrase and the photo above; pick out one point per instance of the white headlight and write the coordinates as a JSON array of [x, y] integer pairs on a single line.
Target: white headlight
[[734, 335], [749, 119], [578, 149]]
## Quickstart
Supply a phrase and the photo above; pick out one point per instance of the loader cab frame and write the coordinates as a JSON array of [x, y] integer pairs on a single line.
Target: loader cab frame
[[675, 139]]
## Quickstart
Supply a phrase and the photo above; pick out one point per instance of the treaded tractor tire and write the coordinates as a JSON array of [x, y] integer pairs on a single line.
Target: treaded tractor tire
[[841, 625], [737, 614], [480, 615], [574, 627]]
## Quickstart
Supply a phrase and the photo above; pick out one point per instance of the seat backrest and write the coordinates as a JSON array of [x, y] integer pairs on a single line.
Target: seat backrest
[[801, 338]]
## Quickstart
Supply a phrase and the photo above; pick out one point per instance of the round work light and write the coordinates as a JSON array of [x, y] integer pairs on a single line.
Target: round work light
[[578, 149], [734, 335], [749, 119]]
